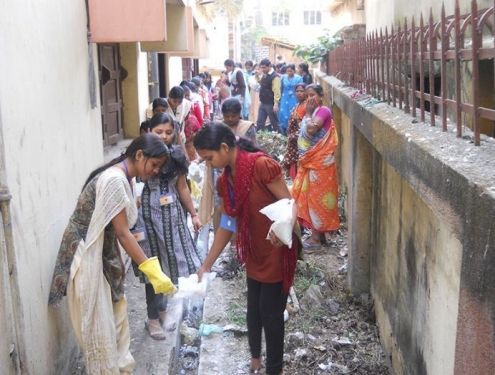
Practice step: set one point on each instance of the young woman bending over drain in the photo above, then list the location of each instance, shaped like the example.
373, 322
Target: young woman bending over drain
89, 269
162, 228
251, 180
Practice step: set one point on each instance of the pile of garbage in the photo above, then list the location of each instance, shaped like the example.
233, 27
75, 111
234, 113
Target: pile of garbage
272, 143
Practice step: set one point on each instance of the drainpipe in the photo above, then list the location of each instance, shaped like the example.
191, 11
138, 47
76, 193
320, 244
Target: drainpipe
153, 76
17, 349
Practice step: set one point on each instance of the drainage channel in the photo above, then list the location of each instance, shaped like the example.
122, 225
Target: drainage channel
187, 361
188, 354
192, 329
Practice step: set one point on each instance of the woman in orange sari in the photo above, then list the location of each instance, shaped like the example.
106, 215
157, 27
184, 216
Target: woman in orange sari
291, 156
316, 186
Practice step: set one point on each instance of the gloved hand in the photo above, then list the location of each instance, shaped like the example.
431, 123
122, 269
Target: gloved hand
161, 282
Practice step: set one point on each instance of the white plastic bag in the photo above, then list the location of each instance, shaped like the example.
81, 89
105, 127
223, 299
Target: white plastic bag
282, 215
190, 288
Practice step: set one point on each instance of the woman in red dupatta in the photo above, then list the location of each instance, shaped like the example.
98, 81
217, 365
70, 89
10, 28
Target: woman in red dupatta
316, 186
252, 180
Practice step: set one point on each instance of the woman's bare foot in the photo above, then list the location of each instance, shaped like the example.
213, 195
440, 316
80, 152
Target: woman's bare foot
255, 366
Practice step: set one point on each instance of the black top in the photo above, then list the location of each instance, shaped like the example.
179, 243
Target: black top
239, 85
307, 78
266, 91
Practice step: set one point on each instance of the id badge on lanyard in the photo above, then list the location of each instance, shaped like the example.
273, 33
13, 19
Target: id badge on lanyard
228, 222
166, 199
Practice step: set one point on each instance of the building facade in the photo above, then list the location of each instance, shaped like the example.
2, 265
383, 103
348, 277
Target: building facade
284, 20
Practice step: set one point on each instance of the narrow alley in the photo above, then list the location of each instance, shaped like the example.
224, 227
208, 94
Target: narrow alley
213, 187
329, 332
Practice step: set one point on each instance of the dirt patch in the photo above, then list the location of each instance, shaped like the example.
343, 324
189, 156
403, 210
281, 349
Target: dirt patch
333, 332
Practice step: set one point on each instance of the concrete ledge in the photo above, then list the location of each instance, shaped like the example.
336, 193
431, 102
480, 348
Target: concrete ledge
456, 180
220, 354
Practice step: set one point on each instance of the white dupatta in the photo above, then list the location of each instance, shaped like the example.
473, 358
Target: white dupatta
101, 326
180, 115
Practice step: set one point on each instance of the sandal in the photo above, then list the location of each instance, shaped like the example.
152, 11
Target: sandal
154, 329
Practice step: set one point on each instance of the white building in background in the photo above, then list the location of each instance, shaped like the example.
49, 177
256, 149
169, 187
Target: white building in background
294, 21
218, 32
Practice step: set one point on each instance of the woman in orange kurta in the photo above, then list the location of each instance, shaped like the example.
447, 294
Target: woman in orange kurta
252, 180
316, 188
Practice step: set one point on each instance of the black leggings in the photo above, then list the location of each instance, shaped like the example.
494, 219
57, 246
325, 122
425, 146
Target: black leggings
154, 302
265, 309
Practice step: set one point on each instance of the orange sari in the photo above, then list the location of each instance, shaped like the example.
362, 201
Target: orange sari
316, 187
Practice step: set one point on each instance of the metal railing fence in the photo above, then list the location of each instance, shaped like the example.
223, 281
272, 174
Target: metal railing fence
410, 66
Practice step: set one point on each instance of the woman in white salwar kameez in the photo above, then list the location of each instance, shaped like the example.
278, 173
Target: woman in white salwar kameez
89, 268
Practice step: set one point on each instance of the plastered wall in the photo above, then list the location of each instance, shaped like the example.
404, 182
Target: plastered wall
419, 204
52, 140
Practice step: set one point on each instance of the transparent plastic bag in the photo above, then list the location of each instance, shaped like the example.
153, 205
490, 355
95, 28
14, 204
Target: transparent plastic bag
283, 216
189, 287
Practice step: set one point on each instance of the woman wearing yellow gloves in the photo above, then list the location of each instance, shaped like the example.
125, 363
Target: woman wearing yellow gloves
89, 268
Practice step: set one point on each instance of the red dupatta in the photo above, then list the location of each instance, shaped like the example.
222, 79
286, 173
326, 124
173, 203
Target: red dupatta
236, 199
236, 204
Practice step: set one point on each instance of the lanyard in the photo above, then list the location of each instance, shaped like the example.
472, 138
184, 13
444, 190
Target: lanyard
230, 189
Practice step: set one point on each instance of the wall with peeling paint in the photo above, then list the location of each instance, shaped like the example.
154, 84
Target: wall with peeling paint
420, 205
415, 277
52, 140
385, 13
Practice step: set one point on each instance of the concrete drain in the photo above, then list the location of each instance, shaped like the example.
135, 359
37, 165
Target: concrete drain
188, 360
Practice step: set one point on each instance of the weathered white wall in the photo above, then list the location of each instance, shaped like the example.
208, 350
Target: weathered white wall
296, 32
52, 140
218, 43
143, 87
381, 13
415, 279
174, 71
346, 15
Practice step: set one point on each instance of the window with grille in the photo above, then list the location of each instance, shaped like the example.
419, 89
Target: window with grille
280, 18
312, 17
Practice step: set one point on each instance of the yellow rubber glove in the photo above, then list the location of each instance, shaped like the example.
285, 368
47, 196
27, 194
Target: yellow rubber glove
161, 282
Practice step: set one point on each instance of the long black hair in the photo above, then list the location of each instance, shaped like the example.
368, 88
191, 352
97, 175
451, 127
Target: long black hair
160, 118
304, 67
231, 105
212, 135
176, 92
159, 102
151, 145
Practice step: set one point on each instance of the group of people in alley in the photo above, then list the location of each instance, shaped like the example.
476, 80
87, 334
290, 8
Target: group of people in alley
141, 202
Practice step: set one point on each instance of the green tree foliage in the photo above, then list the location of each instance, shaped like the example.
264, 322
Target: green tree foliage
317, 52
250, 38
